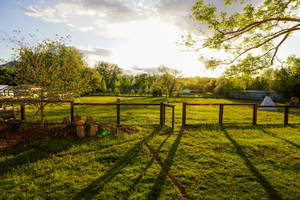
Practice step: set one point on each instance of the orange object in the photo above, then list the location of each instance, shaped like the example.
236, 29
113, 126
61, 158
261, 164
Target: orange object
80, 123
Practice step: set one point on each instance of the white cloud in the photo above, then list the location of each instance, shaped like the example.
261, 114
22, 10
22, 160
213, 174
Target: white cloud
96, 52
48, 14
149, 28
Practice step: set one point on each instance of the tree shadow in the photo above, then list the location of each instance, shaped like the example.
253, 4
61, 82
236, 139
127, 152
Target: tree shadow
97, 185
161, 178
35, 152
272, 193
275, 136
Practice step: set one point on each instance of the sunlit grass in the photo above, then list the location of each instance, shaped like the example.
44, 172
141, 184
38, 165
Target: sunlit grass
141, 115
210, 162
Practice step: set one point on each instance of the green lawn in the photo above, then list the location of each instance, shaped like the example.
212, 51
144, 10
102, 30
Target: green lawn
198, 161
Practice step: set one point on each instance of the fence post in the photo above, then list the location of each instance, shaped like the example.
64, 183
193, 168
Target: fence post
22, 112
118, 113
164, 114
161, 113
72, 111
221, 114
173, 116
286, 115
254, 114
183, 113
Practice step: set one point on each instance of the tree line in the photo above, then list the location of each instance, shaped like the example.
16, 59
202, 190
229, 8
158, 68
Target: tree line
66, 66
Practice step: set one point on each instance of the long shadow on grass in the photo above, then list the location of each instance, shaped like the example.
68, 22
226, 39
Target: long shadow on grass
97, 185
149, 164
161, 178
275, 136
260, 178
35, 152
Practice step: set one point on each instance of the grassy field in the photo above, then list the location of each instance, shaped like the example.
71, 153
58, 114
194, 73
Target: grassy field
198, 161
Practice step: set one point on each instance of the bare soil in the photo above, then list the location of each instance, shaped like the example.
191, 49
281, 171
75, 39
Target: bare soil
16, 133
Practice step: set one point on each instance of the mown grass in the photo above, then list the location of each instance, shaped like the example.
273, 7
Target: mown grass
207, 161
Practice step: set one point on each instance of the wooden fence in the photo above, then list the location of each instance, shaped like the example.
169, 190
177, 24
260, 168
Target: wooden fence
221, 110
162, 106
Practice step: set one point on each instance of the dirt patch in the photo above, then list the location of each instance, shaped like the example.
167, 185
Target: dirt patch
114, 128
15, 133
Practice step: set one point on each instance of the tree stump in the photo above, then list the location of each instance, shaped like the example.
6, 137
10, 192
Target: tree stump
80, 129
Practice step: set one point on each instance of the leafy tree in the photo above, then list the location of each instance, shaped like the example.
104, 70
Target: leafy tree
287, 79
110, 73
146, 90
132, 92
117, 91
7, 76
94, 79
156, 89
260, 30
167, 81
221, 86
54, 70
103, 87
196, 83
140, 80
141, 92
126, 81
211, 85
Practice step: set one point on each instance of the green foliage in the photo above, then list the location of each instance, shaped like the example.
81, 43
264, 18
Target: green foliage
287, 79
94, 79
110, 73
146, 90
52, 71
126, 81
141, 91
132, 92
167, 82
54, 68
260, 29
7, 76
116, 91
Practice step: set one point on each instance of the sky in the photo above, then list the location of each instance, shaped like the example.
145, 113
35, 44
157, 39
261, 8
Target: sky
138, 35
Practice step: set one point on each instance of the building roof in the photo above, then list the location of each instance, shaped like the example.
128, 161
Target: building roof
3, 87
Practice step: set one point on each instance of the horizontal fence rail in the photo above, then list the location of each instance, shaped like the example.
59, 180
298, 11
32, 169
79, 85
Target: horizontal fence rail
118, 109
163, 107
118, 105
221, 110
114, 104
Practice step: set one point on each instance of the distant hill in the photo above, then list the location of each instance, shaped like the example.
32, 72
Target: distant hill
9, 65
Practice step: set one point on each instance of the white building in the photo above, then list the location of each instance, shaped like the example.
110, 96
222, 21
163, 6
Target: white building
6, 90
186, 91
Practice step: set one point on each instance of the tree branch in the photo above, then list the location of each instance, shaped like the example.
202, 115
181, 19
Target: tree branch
252, 25
264, 42
277, 47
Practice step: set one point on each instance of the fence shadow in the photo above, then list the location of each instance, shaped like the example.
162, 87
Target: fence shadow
161, 178
97, 185
149, 164
272, 193
236, 126
276, 136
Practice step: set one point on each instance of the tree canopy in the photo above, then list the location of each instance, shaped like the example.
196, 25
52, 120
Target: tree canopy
253, 35
53, 71
110, 73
